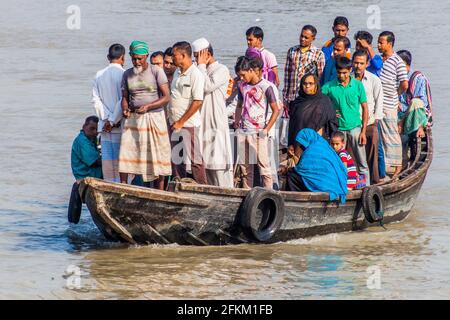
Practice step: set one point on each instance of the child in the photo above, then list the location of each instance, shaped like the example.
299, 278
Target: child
256, 113
290, 162
353, 180
255, 36
232, 93
272, 141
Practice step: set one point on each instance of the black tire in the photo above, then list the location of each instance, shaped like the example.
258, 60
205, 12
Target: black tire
373, 204
261, 214
75, 204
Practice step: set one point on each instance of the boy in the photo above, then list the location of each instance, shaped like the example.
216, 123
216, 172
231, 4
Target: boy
338, 144
349, 100
257, 101
255, 36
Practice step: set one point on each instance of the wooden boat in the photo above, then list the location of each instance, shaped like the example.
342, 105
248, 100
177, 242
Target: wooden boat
191, 214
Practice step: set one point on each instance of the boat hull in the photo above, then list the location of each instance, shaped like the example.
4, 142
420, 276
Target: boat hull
192, 214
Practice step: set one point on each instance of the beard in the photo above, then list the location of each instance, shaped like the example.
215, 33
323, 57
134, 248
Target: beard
138, 70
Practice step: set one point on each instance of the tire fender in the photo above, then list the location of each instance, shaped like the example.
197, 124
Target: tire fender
373, 204
262, 214
75, 205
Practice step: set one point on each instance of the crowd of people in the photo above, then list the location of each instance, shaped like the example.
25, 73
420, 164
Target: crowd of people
343, 120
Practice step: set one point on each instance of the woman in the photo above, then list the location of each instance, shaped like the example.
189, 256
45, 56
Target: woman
319, 169
312, 109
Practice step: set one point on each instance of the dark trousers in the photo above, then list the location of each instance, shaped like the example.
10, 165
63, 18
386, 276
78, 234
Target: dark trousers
372, 153
294, 182
187, 142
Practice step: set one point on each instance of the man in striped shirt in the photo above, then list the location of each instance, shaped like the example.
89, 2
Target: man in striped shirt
302, 59
394, 78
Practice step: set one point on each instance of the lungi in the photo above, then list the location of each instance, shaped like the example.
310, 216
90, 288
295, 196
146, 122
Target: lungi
392, 142
145, 146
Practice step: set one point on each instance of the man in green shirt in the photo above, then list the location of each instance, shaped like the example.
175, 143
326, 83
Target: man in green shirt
348, 97
85, 157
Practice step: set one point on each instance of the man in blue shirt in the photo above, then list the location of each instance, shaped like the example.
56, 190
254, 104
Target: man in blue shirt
341, 46
85, 157
340, 29
364, 42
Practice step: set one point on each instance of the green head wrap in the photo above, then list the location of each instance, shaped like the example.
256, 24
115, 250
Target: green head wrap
139, 47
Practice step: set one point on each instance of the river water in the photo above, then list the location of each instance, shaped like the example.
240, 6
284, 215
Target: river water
45, 89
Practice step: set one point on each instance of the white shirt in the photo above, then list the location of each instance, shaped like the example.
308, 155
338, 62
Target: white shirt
107, 95
185, 88
374, 92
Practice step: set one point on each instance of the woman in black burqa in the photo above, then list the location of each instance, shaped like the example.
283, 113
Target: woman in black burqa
311, 109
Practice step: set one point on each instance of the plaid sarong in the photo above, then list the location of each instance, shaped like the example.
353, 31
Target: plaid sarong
392, 142
145, 146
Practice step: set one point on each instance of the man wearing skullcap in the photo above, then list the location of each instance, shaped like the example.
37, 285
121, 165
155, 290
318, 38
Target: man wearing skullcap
215, 132
145, 145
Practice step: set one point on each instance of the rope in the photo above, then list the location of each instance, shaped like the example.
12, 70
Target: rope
381, 216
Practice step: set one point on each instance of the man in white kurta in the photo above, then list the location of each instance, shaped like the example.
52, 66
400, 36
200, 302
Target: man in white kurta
215, 133
106, 98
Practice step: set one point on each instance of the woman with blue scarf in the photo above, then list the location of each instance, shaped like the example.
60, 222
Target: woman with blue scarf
319, 169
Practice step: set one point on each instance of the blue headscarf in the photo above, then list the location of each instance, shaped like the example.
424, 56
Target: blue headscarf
320, 167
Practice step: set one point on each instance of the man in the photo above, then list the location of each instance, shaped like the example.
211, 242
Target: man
348, 97
186, 95
157, 58
85, 157
217, 153
340, 29
340, 47
394, 78
418, 88
364, 42
415, 112
145, 145
106, 98
255, 37
374, 93
301, 59
168, 65
85, 162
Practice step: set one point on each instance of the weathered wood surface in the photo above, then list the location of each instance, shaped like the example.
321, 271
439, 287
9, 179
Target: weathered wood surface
206, 215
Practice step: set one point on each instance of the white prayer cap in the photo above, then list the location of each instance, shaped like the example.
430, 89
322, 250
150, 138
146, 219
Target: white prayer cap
200, 44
